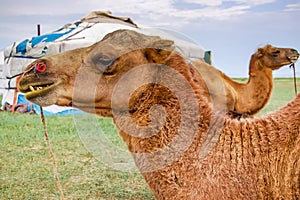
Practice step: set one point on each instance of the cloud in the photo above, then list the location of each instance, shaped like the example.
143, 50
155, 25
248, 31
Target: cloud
221, 2
161, 12
253, 2
205, 2
58, 7
211, 12
292, 7
155, 13
171, 13
210, 9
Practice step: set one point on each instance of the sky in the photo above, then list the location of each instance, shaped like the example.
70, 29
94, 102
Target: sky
231, 29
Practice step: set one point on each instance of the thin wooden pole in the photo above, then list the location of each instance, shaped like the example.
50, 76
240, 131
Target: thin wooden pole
38, 30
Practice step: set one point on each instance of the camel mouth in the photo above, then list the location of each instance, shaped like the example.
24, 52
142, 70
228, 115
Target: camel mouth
34, 90
293, 58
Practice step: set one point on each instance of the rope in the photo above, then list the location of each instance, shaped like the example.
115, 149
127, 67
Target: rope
15, 95
295, 78
55, 171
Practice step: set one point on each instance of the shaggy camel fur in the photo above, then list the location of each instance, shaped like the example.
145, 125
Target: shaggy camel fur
184, 148
249, 98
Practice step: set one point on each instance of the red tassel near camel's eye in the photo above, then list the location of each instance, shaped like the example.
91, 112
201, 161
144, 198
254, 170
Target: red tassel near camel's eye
40, 67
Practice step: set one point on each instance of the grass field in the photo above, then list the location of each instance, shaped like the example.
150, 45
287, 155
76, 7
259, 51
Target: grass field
26, 168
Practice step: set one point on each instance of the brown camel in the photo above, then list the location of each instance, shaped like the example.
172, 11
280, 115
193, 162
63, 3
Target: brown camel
184, 148
249, 98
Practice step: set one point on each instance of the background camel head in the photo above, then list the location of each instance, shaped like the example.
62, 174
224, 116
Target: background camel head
85, 77
274, 57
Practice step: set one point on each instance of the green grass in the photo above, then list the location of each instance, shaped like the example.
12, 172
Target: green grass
283, 92
26, 169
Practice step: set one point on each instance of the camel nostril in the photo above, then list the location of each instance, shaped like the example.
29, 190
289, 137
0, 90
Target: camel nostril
40, 67
295, 52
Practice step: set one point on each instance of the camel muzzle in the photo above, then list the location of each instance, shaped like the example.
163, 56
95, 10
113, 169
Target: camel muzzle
293, 58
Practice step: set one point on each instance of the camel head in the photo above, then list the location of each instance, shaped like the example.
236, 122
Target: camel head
85, 77
274, 57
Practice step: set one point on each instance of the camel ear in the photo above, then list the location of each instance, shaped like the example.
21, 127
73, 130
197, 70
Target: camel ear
260, 52
159, 50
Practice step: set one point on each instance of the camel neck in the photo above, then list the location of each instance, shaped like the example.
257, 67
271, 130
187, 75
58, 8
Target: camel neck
259, 86
260, 79
164, 109
257, 69
260, 75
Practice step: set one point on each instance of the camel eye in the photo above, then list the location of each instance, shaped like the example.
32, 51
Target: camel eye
275, 53
106, 61
103, 62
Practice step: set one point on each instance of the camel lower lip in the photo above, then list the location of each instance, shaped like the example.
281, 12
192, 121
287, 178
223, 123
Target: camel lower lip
293, 59
35, 91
